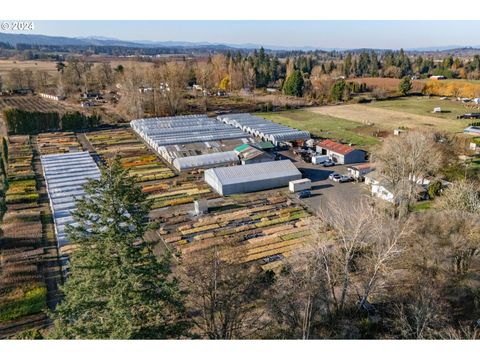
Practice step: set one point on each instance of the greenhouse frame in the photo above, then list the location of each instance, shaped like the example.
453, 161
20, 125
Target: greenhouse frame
206, 161
263, 128
65, 174
253, 177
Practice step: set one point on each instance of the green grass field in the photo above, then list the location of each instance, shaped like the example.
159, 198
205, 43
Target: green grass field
424, 106
323, 126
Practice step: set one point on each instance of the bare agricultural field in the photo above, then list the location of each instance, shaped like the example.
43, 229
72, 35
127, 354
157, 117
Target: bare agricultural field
388, 119
35, 103
7, 65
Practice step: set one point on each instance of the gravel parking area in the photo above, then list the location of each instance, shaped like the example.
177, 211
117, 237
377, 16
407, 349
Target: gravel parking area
326, 192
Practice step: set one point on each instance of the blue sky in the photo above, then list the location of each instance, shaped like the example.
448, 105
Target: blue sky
320, 34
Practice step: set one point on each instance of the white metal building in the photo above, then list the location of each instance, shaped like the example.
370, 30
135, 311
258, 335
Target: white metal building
263, 128
253, 177
65, 175
206, 161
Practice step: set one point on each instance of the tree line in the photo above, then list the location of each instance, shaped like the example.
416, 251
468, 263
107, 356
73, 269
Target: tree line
32, 122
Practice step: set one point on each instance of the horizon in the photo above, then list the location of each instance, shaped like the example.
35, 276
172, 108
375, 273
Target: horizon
330, 34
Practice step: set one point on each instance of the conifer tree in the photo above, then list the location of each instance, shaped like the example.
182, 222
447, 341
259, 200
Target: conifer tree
116, 287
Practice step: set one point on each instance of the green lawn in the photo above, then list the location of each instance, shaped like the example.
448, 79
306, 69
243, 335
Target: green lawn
423, 205
323, 126
420, 105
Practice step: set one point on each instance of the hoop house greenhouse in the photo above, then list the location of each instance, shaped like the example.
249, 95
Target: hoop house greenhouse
206, 161
65, 175
158, 132
263, 128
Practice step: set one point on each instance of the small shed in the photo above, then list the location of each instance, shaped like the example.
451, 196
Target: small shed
251, 155
299, 185
358, 172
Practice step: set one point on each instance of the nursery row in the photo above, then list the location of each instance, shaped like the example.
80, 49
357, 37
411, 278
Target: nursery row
57, 142
156, 179
22, 289
247, 229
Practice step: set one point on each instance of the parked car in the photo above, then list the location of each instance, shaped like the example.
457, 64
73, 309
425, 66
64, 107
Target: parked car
345, 178
304, 194
271, 258
334, 176
328, 163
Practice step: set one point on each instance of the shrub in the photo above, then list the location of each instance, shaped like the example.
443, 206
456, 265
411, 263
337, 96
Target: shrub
29, 302
434, 188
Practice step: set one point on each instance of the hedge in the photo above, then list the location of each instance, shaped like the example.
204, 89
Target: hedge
33, 122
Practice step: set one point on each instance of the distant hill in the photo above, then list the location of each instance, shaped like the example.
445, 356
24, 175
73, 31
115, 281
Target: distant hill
45, 40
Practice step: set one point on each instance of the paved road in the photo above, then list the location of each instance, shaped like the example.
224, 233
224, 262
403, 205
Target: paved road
326, 192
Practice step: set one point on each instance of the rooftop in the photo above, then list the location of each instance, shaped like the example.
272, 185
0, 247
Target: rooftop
336, 147
254, 172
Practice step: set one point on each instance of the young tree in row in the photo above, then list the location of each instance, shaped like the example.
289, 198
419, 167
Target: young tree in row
116, 288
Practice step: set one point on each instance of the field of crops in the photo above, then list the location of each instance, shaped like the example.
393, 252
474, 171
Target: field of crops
57, 142
157, 179
258, 228
22, 289
35, 103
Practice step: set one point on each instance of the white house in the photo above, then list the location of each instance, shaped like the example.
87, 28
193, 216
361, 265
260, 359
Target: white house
378, 187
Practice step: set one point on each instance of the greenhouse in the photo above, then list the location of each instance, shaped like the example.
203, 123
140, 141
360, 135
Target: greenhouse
206, 161
65, 175
253, 177
160, 132
263, 128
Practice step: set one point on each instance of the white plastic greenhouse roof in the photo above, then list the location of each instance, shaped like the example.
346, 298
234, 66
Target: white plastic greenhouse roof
264, 128
164, 131
205, 160
254, 172
65, 175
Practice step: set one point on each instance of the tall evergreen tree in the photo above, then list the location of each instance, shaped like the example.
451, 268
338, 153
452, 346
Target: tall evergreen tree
294, 84
405, 85
116, 287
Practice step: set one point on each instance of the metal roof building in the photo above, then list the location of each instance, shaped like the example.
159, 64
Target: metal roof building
65, 175
340, 153
253, 177
263, 128
206, 161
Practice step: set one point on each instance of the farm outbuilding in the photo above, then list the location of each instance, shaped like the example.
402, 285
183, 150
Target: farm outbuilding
340, 153
65, 174
254, 177
264, 129
358, 172
251, 155
206, 161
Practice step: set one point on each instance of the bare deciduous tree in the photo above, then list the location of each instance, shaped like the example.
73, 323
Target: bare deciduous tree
461, 196
222, 296
404, 160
